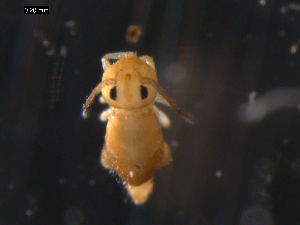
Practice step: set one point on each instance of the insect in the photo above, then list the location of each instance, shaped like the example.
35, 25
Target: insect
134, 145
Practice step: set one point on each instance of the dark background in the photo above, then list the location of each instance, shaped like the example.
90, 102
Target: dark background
210, 55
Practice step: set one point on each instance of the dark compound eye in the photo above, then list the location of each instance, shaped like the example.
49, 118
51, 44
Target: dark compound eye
144, 92
113, 93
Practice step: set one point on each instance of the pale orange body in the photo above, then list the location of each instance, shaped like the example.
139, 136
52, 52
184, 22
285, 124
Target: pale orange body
134, 145
135, 150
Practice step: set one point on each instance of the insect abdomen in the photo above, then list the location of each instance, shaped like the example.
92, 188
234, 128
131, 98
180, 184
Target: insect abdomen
134, 144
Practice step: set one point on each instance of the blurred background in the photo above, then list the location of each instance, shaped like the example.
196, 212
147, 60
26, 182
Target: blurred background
233, 64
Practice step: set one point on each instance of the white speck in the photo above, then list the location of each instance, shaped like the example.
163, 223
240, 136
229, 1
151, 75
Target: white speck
28, 212
50, 52
63, 50
91, 182
84, 114
131, 174
285, 141
262, 2
252, 96
218, 173
282, 33
209, 35
61, 181
11, 187
268, 178
283, 10
70, 23
46, 43
174, 143
295, 166
293, 49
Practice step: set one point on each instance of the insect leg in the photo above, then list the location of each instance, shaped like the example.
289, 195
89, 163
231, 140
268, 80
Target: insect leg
113, 56
163, 119
102, 100
105, 115
148, 60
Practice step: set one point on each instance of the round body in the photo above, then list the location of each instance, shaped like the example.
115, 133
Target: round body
134, 144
